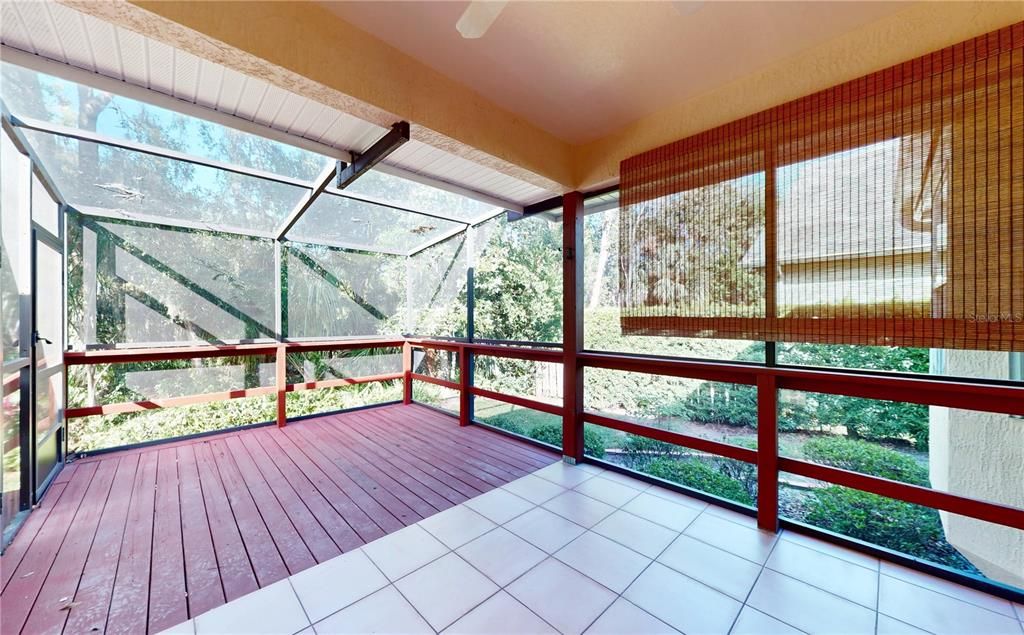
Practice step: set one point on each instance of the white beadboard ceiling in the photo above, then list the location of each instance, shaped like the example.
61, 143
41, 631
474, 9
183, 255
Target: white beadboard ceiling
59, 33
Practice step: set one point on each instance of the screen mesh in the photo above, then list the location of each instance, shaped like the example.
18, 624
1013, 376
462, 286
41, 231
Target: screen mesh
135, 283
888, 210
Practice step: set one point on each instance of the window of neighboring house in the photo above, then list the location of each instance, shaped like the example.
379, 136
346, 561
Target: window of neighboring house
1017, 366
1017, 371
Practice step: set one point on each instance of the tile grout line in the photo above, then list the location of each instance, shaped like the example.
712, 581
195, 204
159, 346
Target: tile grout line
952, 597
617, 508
391, 583
585, 531
619, 596
745, 603
817, 549
309, 622
878, 595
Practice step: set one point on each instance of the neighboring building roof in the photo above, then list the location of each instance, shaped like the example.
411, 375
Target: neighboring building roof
815, 225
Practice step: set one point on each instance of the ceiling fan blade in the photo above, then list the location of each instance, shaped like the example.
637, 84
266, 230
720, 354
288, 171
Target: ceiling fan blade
478, 17
684, 8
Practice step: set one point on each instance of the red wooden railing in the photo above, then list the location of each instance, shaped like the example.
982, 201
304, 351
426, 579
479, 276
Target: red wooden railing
768, 380
280, 352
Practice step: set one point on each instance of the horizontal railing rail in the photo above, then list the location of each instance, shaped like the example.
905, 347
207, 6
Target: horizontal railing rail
278, 350
932, 392
170, 353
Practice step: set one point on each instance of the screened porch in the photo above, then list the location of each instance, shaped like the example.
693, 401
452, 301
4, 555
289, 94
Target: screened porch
273, 364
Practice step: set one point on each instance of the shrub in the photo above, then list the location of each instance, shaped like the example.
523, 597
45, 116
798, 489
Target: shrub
638, 452
729, 404
546, 429
506, 423
593, 443
869, 419
550, 433
700, 476
903, 527
866, 458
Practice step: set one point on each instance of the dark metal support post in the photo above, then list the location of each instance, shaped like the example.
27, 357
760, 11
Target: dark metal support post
572, 326
384, 146
27, 306
280, 291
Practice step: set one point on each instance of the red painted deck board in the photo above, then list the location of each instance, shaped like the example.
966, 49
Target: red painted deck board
168, 603
19, 597
129, 604
236, 574
136, 541
289, 543
202, 579
16, 551
49, 614
97, 582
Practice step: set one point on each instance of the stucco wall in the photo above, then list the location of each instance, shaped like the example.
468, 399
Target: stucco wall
980, 455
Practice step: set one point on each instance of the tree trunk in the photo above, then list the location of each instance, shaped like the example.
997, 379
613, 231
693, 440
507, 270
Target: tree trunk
607, 223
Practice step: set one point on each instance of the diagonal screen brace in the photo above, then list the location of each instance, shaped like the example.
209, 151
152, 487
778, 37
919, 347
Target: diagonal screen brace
361, 163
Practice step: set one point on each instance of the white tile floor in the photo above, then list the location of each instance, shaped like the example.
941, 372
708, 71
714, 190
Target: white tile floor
575, 549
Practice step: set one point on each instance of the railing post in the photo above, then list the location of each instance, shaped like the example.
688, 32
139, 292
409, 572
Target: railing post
572, 326
407, 372
282, 382
767, 453
464, 383
470, 323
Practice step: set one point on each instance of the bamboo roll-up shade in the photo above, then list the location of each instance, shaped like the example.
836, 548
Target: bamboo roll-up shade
888, 210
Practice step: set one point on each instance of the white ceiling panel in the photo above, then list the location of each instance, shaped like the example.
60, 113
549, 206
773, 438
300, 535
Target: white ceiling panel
13, 29
211, 79
57, 32
134, 57
232, 86
104, 45
186, 76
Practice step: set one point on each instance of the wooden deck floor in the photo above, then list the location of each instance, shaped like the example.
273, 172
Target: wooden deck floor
141, 540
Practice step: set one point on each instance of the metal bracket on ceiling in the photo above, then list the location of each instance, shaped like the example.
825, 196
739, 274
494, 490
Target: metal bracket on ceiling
361, 163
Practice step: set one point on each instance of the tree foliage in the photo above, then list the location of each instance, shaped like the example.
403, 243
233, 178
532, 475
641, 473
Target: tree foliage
866, 458
903, 527
686, 251
700, 475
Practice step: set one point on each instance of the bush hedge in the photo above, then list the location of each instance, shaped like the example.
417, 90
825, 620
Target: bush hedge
903, 527
539, 426
700, 476
866, 458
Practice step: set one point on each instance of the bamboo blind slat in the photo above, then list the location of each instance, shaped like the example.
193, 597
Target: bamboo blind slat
888, 210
